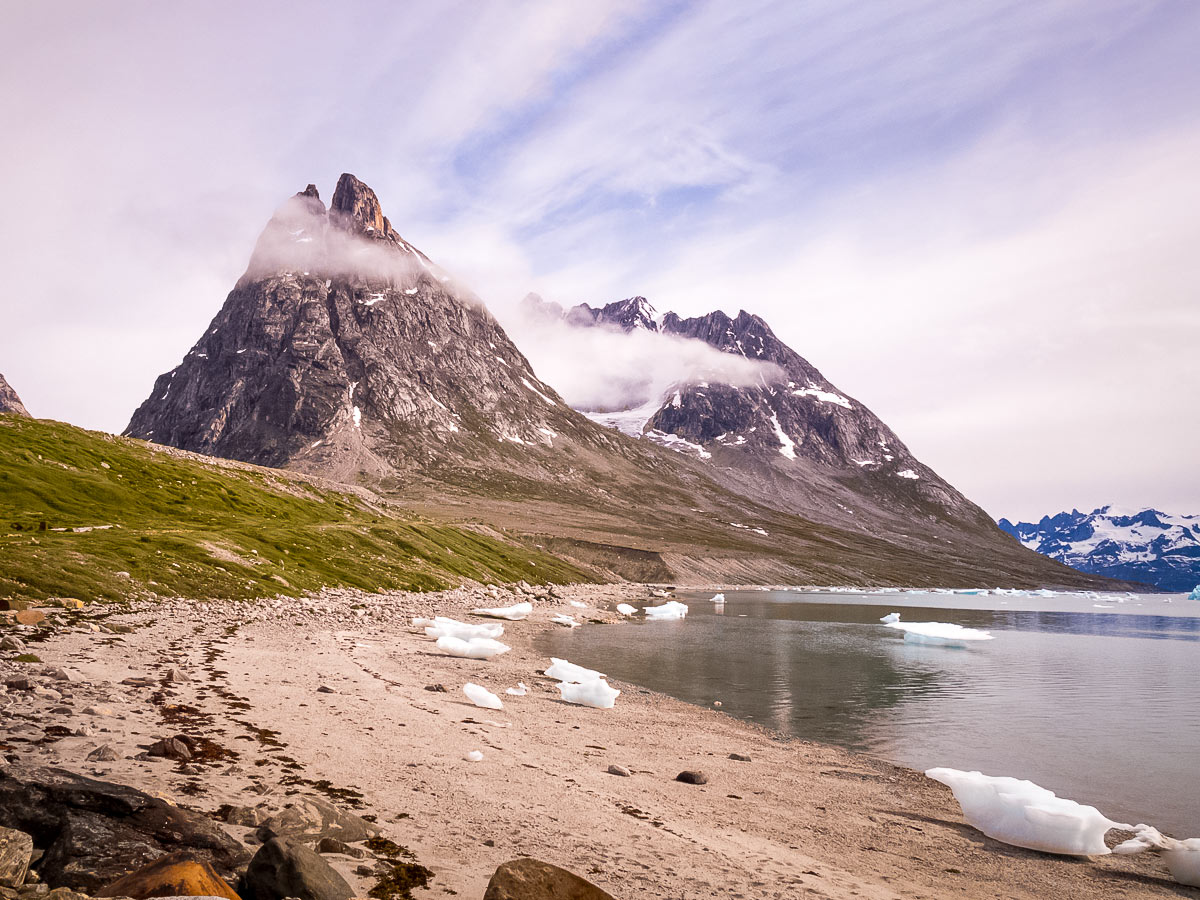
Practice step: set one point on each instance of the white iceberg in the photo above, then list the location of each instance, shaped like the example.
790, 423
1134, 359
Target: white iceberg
625, 609
519, 691
481, 696
568, 671
1182, 857
672, 609
1022, 814
1195, 595
513, 613
941, 634
474, 756
578, 604
476, 648
443, 627
595, 693
569, 621
717, 598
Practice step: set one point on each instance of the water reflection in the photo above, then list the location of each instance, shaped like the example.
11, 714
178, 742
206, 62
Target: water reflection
1100, 706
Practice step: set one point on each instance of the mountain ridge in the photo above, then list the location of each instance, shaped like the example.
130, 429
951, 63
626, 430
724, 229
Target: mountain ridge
9, 401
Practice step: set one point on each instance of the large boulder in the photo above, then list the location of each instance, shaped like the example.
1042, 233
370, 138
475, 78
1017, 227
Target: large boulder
92, 832
532, 879
174, 875
16, 849
284, 867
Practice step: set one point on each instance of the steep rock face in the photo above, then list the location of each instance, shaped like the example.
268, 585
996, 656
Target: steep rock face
345, 350
1147, 545
9, 401
624, 315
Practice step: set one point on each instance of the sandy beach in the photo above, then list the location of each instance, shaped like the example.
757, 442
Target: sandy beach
334, 692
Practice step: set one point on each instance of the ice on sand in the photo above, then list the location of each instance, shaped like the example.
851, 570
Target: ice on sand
625, 609
672, 609
1182, 857
443, 626
476, 648
942, 634
519, 691
1022, 814
474, 756
595, 693
578, 604
568, 671
513, 613
569, 621
584, 687
481, 696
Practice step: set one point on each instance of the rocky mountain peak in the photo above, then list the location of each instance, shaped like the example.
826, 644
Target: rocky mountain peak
9, 401
356, 203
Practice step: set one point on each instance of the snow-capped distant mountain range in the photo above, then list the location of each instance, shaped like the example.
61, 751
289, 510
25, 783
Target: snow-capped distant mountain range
1147, 545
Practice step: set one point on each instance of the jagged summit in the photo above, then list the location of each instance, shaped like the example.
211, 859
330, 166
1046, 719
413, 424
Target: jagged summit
624, 315
9, 401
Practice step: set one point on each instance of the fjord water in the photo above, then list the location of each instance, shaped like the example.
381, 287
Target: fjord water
1095, 698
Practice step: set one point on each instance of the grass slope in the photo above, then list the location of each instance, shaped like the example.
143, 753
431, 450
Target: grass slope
175, 524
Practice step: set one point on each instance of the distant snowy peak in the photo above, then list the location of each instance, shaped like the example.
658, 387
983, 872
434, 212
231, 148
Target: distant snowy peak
9, 401
1144, 545
623, 315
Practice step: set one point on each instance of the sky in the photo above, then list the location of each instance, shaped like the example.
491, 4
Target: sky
981, 220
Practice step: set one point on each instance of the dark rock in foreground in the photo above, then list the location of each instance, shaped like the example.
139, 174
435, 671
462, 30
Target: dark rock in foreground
532, 879
92, 832
284, 867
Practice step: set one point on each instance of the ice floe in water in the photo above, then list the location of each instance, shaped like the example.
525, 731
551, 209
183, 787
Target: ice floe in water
513, 613
481, 696
941, 634
1195, 595
441, 626
569, 621
717, 598
672, 609
625, 609
1182, 857
1022, 814
476, 648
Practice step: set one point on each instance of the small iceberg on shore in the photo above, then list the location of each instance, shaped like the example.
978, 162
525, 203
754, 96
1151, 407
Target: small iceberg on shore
481, 696
625, 609
476, 648
1195, 595
569, 621
1025, 815
442, 626
1182, 857
940, 634
672, 609
513, 613
581, 686
568, 671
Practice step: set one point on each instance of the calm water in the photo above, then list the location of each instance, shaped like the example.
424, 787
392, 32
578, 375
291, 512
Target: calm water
1092, 698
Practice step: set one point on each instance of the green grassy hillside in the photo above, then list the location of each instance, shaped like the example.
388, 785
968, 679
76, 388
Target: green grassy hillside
98, 517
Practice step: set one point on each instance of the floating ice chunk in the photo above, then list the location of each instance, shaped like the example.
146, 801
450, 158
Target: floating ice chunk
625, 609
1025, 815
513, 613
474, 756
519, 691
1195, 595
578, 604
595, 693
1182, 857
481, 696
568, 671
476, 648
717, 598
569, 621
443, 627
672, 609
942, 634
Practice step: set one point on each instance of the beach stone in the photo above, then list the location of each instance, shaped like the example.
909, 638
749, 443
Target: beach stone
246, 816
103, 753
312, 818
690, 777
56, 673
436, 688
284, 867
92, 831
614, 769
323, 689
174, 676
333, 845
10, 642
171, 748
739, 757
30, 617
532, 879
16, 850
173, 875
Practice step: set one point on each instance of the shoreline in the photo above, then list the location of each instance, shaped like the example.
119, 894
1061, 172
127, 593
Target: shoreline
342, 678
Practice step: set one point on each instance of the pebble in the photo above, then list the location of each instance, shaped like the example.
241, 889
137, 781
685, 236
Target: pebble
739, 757
614, 769
692, 777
